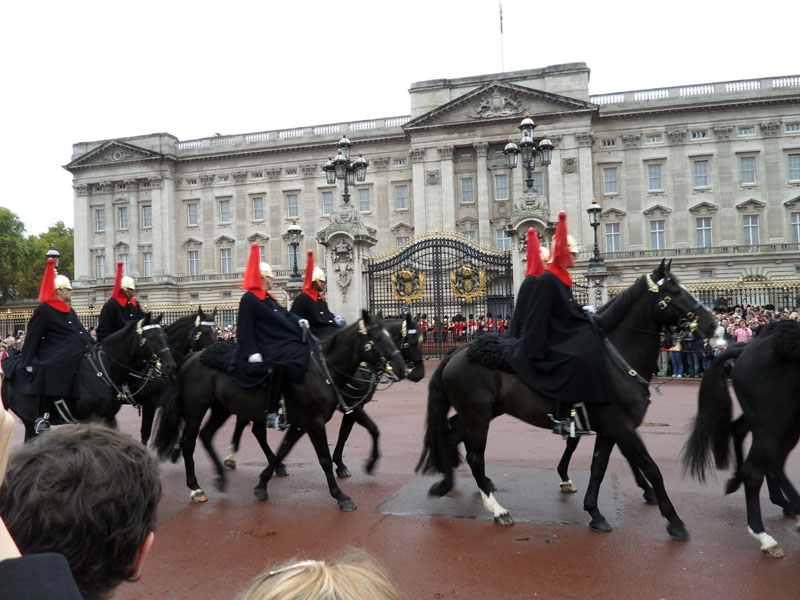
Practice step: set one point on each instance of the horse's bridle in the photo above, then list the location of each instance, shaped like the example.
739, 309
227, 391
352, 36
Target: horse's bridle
195, 337
665, 303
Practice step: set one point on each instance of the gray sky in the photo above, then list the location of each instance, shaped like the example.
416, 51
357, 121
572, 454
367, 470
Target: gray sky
93, 70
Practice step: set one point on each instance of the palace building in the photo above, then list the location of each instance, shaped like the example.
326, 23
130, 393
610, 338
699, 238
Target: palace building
707, 175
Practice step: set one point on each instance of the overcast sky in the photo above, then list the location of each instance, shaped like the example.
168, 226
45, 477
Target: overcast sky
95, 70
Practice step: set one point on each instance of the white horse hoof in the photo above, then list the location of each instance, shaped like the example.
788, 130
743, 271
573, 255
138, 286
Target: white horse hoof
774, 552
198, 496
230, 461
567, 487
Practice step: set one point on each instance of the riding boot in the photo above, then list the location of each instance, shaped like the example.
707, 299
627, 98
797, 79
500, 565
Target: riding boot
561, 420
42, 422
274, 402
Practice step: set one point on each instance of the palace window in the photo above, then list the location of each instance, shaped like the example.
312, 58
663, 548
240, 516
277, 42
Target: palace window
658, 235
794, 167
791, 127
191, 214
470, 235
100, 264
224, 211
751, 237
122, 213
795, 227
147, 264
194, 262
292, 208
610, 181
613, 238
402, 239
467, 191
225, 260
147, 216
501, 187
747, 169
699, 134
401, 197
258, 208
502, 240
327, 203
538, 183
701, 173
654, 178
100, 219
123, 258
224, 179
364, 204
654, 139
747, 130
400, 162
703, 232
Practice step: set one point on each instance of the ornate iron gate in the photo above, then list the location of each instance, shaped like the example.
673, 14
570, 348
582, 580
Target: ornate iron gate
447, 278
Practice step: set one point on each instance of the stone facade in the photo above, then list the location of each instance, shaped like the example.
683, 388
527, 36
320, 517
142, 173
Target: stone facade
708, 175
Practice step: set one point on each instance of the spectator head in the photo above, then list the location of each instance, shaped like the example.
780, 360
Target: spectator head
356, 578
88, 492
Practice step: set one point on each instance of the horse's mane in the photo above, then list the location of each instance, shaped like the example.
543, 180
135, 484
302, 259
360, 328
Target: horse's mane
615, 310
181, 322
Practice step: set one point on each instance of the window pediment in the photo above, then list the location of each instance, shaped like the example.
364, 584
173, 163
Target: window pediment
613, 213
751, 204
657, 210
258, 238
703, 208
191, 243
224, 240
401, 228
793, 203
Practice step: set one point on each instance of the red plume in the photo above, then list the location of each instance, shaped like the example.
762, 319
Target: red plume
535, 264
560, 257
252, 281
308, 288
116, 293
47, 293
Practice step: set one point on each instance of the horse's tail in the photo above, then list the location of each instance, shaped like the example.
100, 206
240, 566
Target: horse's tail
440, 446
170, 422
711, 432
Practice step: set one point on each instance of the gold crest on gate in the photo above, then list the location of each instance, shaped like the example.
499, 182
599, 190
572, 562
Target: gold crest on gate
468, 283
408, 285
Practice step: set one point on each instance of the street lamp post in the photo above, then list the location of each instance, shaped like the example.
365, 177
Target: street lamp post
54, 254
529, 149
343, 168
294, 232
594, 210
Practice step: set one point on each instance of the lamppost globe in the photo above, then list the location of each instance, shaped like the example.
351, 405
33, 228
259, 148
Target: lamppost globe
294, 233
594, 211
54, 254
343, 168
529, 149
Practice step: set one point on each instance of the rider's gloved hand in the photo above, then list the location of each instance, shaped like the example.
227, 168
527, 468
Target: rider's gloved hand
303, 323
29, 369
339, 320
255, 358
589, 309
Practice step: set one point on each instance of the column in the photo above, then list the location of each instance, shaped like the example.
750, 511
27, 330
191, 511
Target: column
448, 189
418, 175
484, 201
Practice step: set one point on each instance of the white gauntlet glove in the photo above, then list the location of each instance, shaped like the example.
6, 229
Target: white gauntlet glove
303, 324
590, 309
339, 321
255, 358
29, 369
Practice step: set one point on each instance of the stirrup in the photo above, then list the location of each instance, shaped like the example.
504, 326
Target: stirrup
41, 424
272, 420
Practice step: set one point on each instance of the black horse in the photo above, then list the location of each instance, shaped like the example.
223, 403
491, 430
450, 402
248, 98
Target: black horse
405, 335
310, 403
138, 349
186, 334
479, 393
766, 379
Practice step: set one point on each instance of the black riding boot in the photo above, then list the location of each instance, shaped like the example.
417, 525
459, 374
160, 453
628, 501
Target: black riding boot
42, 422
276, 411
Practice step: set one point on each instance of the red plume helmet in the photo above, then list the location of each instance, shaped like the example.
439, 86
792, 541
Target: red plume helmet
116, 293
308, 288
561, 257
535, 264
47, 293
253, 282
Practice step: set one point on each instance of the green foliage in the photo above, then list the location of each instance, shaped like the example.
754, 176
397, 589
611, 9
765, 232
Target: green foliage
22, 260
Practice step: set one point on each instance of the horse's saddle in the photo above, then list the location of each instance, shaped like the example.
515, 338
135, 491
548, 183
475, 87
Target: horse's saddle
490, 350
219, 356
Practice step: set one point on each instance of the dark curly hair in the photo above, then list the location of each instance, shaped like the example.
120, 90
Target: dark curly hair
88, 492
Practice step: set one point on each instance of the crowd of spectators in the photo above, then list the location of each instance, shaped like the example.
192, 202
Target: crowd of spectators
685, 353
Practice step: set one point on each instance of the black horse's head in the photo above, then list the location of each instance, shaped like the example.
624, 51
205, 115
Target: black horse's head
152, 344
676, 302
406, 336
204, 331
377, 348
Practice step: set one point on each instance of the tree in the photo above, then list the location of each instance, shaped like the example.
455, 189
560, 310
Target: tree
14, 255
61, 238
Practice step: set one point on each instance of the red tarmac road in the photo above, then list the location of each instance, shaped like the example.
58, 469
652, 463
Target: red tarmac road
212, 550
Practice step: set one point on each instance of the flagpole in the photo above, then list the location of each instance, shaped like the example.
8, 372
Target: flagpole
502, 49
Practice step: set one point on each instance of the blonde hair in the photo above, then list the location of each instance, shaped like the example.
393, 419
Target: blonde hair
354, 577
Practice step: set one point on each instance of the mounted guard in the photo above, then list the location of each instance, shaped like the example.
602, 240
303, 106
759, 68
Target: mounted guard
120, 308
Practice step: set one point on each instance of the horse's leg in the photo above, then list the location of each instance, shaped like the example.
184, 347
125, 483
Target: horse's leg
649, 494
348, 420
602, 451
187, 445
259, 430
241, 423
316, 432
634, 450
762, 454
475, 443
148, 414
566, 484
219, 415
293, 434
455, 435
739, 430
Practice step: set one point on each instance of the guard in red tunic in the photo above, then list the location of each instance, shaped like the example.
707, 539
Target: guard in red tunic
311, 306
120, 308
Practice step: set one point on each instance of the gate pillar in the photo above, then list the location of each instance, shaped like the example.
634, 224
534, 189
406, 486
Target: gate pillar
348, 242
